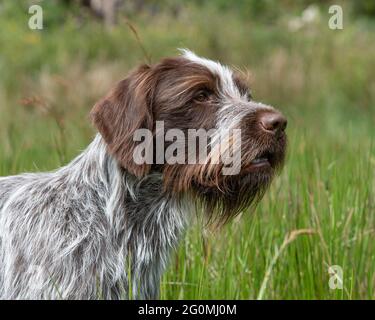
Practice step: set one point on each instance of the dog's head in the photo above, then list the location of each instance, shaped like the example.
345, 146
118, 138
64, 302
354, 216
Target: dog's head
181, 101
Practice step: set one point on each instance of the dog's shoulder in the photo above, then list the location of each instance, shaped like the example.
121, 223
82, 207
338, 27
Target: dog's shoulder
10, 184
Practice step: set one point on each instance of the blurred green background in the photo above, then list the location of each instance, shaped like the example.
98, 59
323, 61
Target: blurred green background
318, 213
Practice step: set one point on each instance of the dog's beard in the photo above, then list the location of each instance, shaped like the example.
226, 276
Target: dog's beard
234, 195
222, 197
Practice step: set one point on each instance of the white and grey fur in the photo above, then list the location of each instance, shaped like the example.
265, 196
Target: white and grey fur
85, 231
90, 229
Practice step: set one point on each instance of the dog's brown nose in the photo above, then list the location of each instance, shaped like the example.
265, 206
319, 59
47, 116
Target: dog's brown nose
273, 122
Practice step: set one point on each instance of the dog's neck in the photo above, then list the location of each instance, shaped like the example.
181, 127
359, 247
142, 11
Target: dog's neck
146, 225
96, 167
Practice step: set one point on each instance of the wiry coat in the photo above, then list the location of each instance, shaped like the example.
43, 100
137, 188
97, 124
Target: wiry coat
104, 225
80, 233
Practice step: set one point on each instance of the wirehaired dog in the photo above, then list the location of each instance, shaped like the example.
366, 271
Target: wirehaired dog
104, 225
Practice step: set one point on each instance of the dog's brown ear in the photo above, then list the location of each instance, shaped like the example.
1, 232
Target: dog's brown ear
125, 109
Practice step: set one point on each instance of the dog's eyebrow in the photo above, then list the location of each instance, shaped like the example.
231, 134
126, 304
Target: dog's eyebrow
241, 84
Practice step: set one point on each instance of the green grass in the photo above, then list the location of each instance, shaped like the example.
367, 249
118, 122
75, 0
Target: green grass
323, 80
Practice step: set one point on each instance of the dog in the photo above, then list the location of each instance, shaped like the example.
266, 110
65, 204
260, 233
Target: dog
105, 225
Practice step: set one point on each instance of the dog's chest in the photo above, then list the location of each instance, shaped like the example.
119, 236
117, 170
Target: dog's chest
154, 224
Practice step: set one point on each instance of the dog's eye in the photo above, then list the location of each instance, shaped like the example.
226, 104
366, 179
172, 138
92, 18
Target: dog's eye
202, 95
